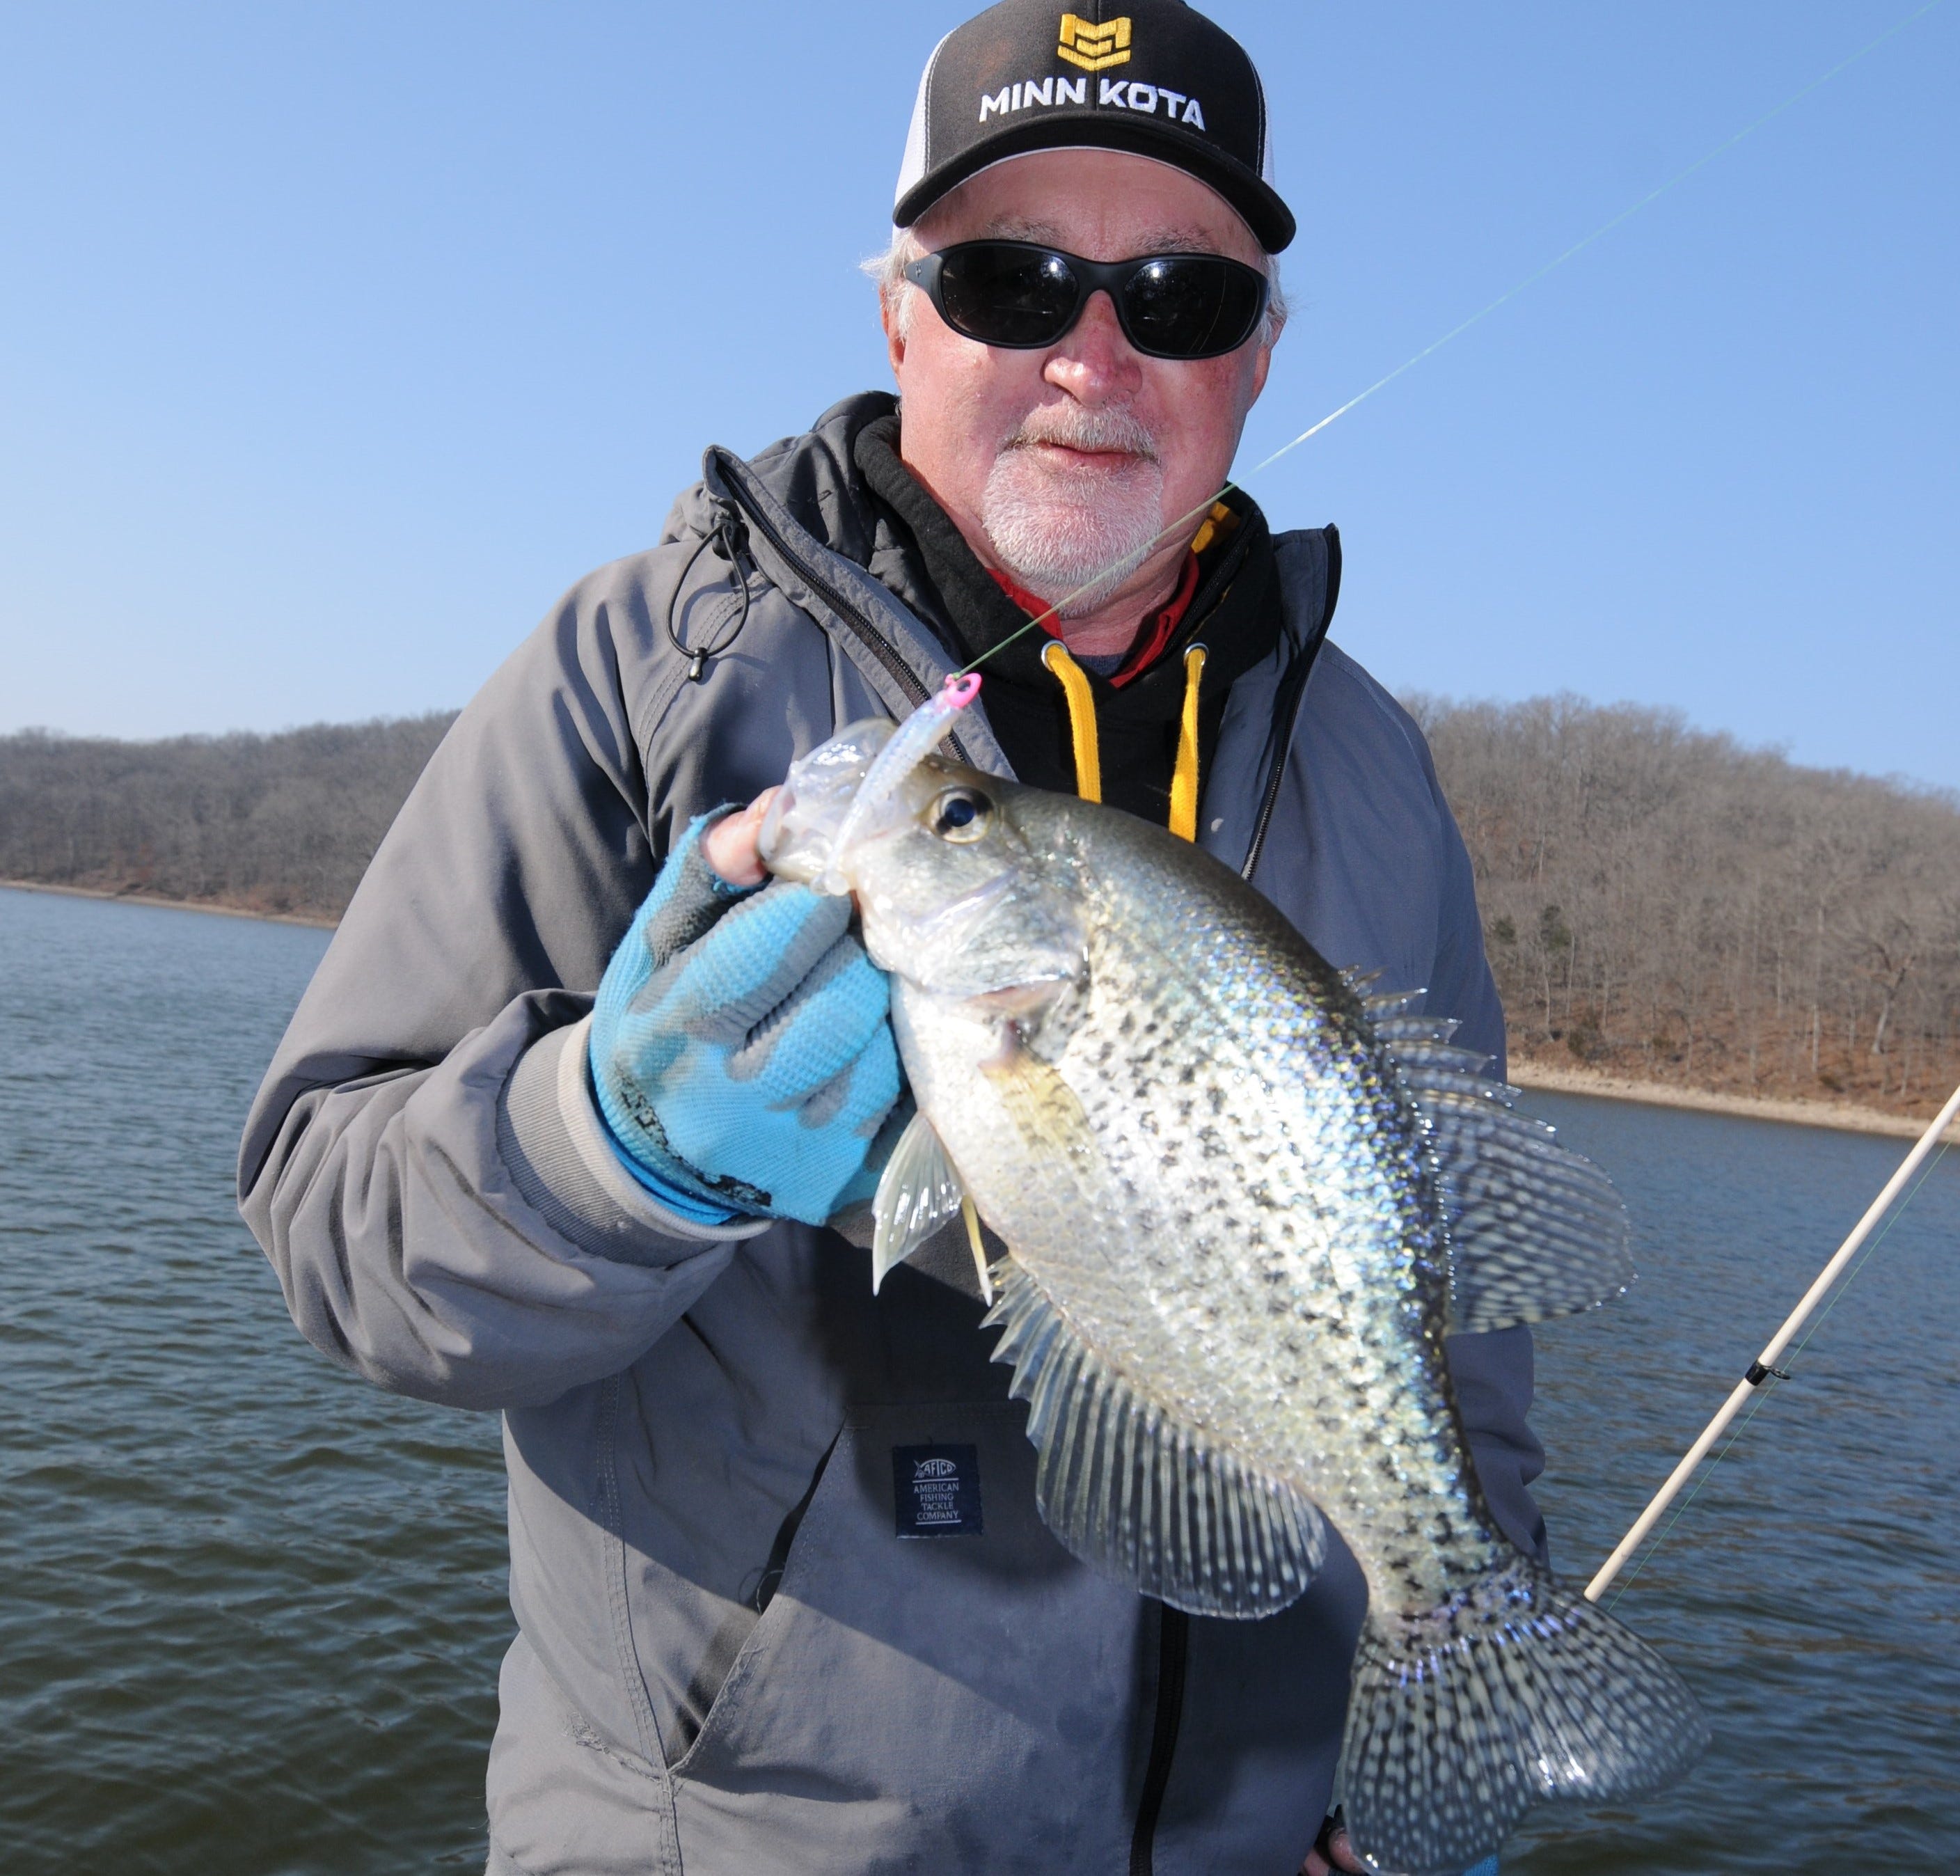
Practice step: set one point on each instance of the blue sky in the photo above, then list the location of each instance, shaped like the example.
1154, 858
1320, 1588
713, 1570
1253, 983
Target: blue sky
338, 340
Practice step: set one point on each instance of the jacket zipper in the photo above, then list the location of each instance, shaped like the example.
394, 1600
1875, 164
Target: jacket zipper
1173, 1648
1290, 711
881, 647
1174, 1625
1174, 1629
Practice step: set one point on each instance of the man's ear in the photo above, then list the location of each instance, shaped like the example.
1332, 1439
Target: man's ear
894, 339
1262, 363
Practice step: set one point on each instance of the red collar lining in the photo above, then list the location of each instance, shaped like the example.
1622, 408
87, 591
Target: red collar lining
1153, 634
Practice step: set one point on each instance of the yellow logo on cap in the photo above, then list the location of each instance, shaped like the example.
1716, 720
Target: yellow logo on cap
1092, 47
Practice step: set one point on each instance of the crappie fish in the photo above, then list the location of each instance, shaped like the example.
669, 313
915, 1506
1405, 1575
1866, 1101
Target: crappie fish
1244, 1203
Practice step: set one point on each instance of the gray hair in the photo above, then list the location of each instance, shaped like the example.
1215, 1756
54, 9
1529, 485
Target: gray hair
899, 296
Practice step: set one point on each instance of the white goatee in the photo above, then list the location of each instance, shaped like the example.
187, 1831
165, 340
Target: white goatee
1074, 533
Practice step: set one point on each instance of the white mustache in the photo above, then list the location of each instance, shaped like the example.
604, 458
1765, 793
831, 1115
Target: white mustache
1113, 431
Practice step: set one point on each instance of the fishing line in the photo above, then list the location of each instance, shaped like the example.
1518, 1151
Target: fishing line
1763, 1394
1456, 332
1681, 1511
1945, 1147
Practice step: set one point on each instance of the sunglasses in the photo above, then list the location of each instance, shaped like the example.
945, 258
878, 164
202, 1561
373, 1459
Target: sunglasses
1021, 296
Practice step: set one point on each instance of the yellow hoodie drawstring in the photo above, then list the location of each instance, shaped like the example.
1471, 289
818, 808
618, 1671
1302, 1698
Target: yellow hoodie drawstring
1081, 719
1184, 777
1088, 753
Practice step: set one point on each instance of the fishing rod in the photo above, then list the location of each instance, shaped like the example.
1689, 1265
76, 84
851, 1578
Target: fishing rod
1764, 1367
1059, 608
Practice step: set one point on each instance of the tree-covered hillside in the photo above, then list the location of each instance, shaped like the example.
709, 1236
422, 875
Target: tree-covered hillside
1664, 903
270, 823
1656, 900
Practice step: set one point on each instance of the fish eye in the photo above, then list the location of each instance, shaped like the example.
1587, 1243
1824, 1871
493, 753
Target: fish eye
959, 814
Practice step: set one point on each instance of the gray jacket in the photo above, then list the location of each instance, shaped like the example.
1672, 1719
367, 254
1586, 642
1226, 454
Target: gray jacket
727, 1661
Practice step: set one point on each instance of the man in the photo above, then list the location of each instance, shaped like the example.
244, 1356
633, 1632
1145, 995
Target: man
558, 1125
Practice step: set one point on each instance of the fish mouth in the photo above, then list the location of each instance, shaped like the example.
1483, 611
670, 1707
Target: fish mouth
976, 950
800, 831
954, 922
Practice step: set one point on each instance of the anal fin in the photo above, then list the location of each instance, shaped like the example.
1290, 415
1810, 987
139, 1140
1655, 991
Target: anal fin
1137, 1496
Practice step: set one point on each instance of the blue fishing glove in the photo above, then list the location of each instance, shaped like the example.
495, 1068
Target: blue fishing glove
742, 1049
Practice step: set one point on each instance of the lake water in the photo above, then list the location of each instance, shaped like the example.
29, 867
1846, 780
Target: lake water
251, 1608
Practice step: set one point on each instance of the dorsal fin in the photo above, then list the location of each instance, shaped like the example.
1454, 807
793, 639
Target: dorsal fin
1379, 1009
1535, 1230
1137, 1496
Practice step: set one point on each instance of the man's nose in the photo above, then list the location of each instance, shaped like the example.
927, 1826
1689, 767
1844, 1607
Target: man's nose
1093, 362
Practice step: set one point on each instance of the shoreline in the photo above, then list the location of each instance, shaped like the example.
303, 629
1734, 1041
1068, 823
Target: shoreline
171, 905
1840, 1116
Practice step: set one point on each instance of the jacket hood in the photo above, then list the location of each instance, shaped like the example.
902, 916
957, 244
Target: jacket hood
815, 476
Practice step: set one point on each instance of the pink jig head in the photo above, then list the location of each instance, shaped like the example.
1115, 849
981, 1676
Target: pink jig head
915, 738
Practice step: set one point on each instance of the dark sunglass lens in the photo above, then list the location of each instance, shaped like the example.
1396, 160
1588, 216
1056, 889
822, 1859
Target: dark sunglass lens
1002, 294
1191, 306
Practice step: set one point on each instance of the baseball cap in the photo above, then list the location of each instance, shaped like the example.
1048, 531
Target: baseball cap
1157, 79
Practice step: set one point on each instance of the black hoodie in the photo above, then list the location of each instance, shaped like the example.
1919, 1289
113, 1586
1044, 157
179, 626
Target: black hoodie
1235, 613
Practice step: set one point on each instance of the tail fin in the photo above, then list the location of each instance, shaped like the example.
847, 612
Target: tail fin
1462, 1719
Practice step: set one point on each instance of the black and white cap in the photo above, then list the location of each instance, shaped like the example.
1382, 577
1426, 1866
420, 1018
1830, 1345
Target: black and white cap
1157, 78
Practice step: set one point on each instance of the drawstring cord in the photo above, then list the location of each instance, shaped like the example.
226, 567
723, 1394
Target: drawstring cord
1184, 777
1081, 719
1222, 521
729, 537
1088, 752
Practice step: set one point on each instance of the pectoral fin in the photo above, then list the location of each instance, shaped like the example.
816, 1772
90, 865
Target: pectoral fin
1045, 1111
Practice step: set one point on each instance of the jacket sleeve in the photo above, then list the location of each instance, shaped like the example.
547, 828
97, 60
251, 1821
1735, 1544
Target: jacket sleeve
1493, 1372
423, 1163
1461, 985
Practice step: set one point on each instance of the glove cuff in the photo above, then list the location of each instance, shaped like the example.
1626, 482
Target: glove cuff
688, 900
567, 1167
677, 1191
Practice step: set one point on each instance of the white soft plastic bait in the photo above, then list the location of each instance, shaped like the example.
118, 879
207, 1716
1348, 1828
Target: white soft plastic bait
915, 739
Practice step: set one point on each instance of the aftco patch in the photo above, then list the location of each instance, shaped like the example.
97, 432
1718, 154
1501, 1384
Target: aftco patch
938, 1491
